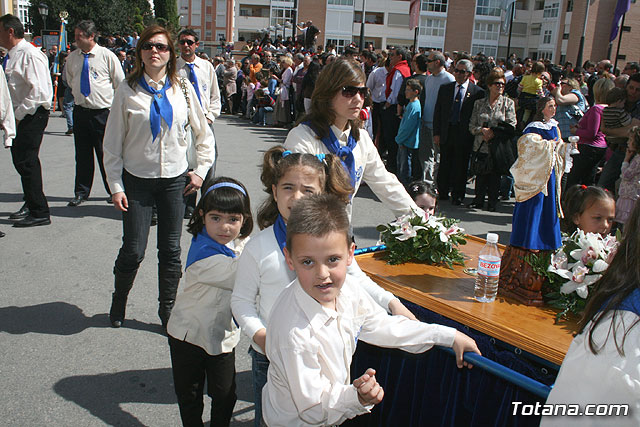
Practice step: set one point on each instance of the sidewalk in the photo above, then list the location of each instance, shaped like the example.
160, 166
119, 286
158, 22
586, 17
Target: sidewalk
62, 362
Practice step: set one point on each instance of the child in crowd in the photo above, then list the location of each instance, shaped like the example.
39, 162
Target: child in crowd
425, 196
603, 363
317, 321
264, 105
202, 333
408, 137
531, 90
262, 271
591, 209
630, 178
615, 116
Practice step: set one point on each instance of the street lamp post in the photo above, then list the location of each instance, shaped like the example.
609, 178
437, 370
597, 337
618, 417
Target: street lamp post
44, 12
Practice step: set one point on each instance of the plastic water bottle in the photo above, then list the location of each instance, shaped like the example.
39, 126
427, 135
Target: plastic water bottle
488, 270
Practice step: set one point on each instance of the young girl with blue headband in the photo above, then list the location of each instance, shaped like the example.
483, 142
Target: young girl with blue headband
202, 332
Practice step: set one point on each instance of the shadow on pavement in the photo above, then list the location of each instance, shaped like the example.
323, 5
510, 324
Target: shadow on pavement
104, 395
59, 318
87, 210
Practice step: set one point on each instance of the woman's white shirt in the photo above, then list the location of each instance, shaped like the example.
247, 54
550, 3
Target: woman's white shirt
368, 166
128, 143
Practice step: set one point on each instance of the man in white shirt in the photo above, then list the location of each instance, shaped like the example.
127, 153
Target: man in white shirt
203, 77
377, 85
93, 72
29, 81
7, 119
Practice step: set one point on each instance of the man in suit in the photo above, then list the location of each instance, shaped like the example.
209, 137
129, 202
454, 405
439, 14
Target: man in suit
451, 116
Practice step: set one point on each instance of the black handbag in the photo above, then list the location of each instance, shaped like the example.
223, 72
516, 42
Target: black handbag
481, 163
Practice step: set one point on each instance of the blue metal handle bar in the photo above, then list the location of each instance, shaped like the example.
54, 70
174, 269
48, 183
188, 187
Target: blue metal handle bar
504, 373
369, 249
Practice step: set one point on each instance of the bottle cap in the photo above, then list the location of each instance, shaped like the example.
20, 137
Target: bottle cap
492, 238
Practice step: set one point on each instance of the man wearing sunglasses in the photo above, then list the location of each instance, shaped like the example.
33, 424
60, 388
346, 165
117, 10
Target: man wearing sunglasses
451, 116
93, 73
203, 77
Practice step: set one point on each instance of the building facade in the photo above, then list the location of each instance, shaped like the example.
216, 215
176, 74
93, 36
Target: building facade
213, 20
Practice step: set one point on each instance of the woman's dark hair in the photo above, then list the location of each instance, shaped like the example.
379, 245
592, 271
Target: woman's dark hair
578, 199
618, 281
417, 188
138, 69
333, 77
226, 200
332, 175
540, 105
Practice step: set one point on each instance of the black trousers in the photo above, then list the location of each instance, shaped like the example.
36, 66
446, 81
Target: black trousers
191, 364
454, 163
585, 164
487, 184
390, 126
376, 122
24, 153
88, 132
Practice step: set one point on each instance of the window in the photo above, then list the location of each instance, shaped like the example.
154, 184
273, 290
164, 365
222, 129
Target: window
220, 36
207, 35
535, 29
551, 10
398, 20
488, 8
520, 5
432, 27
539, 5
339, 44
23, 14
434, 5
546, 38
545, 54
570, 6
369, 17
519, 29
565, 36
486, 49
341, 2
279, 15
486, 31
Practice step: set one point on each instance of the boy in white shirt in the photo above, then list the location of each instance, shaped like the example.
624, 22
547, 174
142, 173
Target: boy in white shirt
317, 320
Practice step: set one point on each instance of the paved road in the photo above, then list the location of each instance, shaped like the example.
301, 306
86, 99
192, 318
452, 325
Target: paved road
62, 364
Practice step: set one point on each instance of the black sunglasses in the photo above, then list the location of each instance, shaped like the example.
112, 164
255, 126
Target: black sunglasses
160, 47
460, 71
350, 91
186, 41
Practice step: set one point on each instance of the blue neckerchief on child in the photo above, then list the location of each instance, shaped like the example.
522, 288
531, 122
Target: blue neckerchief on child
203, 246
631, 303
280, 230
160, 106
345, 154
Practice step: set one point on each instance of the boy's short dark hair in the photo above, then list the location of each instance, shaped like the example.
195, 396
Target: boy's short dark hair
318, 215
614, 95
414, 84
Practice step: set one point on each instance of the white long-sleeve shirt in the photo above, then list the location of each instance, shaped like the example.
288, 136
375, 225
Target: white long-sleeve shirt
105, 75
603, 378
310, 349
202, 314
208, 83
128, 142
377, 83
7, 119
368, 165
263, 274
396, 83
28, 79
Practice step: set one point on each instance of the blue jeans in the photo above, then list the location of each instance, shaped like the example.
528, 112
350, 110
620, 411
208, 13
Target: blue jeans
405, 158
259, 368
142, 194
261, 115
67, 106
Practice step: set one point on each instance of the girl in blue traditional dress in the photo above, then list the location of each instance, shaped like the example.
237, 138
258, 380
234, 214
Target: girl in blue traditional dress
202, 333
537, 174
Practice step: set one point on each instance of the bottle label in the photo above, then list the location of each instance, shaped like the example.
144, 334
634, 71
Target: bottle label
489, 266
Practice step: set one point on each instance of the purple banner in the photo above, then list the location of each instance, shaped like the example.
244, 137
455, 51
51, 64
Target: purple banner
621, 8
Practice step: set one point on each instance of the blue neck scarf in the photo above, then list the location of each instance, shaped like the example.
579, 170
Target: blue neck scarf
85, 83
160, 106
280, 230
631, 302
194, 81
344, 153
203, 246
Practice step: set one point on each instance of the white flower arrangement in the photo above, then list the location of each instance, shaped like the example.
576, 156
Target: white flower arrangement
433, 240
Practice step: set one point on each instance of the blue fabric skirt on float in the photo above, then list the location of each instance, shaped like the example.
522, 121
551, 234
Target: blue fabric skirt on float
535, 222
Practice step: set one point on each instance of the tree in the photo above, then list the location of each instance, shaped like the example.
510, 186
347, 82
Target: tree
167, 14
110, 16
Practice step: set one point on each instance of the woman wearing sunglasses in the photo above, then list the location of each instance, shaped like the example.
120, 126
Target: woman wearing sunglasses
333, 125
145, 155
